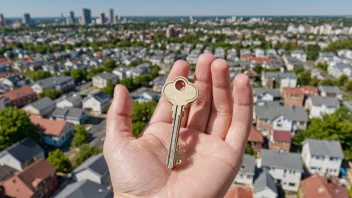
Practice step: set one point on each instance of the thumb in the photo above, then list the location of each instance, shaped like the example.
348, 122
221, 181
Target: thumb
119, 125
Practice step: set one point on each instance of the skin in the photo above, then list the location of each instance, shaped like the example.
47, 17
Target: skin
212, 138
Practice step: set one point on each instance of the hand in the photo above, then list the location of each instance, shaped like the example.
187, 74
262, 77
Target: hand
213, 136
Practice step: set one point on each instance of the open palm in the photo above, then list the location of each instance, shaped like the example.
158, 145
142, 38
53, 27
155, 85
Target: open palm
212, 138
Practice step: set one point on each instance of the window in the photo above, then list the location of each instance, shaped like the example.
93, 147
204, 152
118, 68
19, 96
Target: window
334, 159
291, 184
249, 177
313, 168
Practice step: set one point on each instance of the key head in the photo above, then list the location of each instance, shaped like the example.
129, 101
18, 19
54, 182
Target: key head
180, 91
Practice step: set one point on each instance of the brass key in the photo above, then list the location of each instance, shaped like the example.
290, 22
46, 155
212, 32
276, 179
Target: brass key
179, 92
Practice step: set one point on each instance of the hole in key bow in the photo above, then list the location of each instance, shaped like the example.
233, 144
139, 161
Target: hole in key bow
180, 84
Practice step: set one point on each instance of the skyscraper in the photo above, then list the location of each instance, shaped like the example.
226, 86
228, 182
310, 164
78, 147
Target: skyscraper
111, 16
170, 31
191, 20
26, 19
102, 18
86, 16
72, 18
2, 20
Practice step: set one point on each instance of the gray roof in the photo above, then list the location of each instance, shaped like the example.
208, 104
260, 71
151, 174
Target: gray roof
72, 97
53, 81
248, 164
106, 76
265, 180
23, 150
342, 66
280, 75
298, 52
327, 101
329, 89
85, 189
260, 91
294, 61
324, 148
96, 163
282, 160
100, 96
42, 104
75, 113
6, 172
272, 112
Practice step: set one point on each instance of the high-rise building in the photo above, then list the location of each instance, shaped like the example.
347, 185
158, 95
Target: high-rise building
102, 18
170, 31
191, 20
86, 17
2, 20
71, 19
111, 16
26, 19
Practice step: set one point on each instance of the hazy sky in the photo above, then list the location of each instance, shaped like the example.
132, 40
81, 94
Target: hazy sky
42, 8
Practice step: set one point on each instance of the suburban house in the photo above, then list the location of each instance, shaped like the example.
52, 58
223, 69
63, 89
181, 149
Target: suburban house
265, 94
71, 115
239, 192
4, 102
101, 80
94, 169
322, 156
300, 55
120, 72
309, 90
270, 118
293, 96
20, 155
53, 132
330, 91
15, 80
292, 63
63, 84
258, 52
264, 186
255, 139
43, 107
69, 100
284, 167
319, 106
21, 96
36, 180
97, 102
85, 189
246, 173
319, 186
339, 69
280, 141
279, 79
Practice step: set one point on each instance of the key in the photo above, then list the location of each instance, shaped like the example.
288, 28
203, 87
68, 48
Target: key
180, 93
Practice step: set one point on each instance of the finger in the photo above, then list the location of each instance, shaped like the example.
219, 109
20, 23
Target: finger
163, 111
221, 111
119, 125
242, 114
199, 110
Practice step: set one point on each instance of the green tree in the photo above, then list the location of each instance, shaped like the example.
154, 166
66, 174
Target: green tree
37, 75
349, 86
109, 89
258, 69
298, 70
51, 93
15, 126
313, 52
327, 82
141, 114
249, 150
59, 160
323, 66
80, 136
138, 127
85, 151
304, 78
342, 80
128, 83
337, 126
79, 75
94, 71
109, 65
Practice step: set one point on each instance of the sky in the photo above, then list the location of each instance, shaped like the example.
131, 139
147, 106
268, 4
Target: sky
53, 8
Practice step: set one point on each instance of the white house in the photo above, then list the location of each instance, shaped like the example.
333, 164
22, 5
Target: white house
339, 69
258, 52
284, 167
264, 94
279, 79
264, 186
97, 102
246, 173
120, 72
101, 80
300, 55
330, 91
322, 156
60, 83
69, 100
318, 106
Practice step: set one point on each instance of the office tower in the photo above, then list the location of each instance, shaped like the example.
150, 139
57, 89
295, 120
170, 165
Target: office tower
111, 16
102, 18
170, 31
191, 20
26, 19
2, 20
86, 16
234, 18
71, 19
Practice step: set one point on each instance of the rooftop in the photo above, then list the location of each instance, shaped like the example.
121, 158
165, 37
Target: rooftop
274, 159
49, 127
324, 148
282, 136
23, 150
85, 189
19, 93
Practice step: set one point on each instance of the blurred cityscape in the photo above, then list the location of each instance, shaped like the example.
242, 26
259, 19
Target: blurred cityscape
57, 78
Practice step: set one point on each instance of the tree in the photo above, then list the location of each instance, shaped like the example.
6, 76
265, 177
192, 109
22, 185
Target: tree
141, 114
337, 126
109, 89
85, 151
313, 52
15, 126
80, 136
109, 65
304, 78
323, 66
37, 75
51, 93
249, 150
79, 75
59, 160
327, 82
342, 80
128, 83
258, 69
349, 86
138, 127
94, 71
